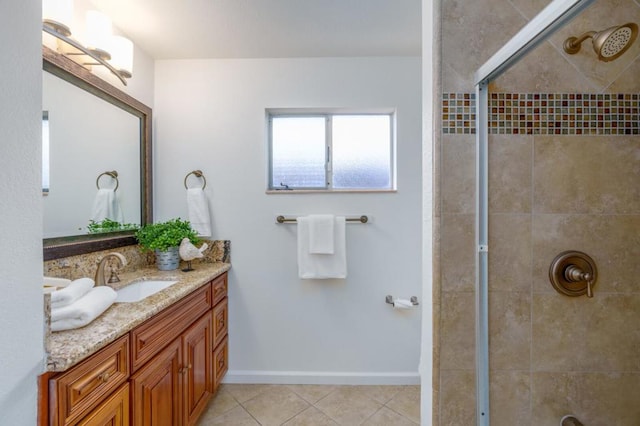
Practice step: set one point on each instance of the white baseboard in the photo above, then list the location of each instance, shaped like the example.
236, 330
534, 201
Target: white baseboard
321, 378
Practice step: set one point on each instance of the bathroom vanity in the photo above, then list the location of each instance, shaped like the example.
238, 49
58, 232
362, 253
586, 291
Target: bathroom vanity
153, 362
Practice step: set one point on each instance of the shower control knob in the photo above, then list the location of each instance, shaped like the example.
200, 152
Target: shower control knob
573, 273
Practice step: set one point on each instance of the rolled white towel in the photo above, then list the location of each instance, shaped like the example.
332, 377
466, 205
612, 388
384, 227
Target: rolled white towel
74, 291
83, 310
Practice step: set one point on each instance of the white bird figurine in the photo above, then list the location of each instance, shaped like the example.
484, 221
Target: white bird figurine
189, 252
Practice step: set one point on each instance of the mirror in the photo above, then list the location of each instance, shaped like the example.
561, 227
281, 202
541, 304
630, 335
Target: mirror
126, 149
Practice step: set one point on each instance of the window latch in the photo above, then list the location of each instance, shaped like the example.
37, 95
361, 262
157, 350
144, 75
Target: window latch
284, 186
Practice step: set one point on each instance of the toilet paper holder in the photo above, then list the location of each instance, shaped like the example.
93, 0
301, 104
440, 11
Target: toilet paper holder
413, 300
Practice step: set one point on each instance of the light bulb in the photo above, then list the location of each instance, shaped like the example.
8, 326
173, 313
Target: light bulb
99, 33
122, 55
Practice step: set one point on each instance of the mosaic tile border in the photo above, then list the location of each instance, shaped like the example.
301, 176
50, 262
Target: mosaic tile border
545, 113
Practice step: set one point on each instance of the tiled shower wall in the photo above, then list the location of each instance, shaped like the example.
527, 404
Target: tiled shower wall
557, 182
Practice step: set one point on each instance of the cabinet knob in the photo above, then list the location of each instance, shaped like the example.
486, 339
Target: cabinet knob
104, 377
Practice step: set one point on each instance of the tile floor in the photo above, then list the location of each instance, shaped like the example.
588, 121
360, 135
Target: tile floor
313, 405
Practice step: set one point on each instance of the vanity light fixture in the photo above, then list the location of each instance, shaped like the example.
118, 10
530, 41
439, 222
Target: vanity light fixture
101, 47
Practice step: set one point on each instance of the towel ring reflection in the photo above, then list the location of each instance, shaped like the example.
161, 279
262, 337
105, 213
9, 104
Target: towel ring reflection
197, 173
113, 174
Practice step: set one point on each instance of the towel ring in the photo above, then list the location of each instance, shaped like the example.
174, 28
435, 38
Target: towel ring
197, 173
113, 174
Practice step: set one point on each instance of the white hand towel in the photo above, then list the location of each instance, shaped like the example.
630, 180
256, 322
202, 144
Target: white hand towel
84, 310
198, 208
106, 206
321, 233
322, 266
74, 291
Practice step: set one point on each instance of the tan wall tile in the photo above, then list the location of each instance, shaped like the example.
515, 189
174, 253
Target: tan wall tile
595, 174
509, 330
613, 241
458, 402
457, 260
544, 70
457, 325
458, 178
510, 399
510, 170
510, 252
582, 334
472, 31
595, 398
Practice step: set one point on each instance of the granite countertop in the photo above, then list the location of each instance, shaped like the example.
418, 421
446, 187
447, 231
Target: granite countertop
67, 348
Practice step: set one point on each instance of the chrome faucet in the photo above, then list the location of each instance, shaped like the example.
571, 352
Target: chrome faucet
100, 272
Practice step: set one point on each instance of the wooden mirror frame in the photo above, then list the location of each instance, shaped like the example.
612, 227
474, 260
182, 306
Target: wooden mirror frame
68, 70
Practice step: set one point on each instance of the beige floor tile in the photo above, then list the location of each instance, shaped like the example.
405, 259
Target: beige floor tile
312, 393
381, 394
407, 403
245, 392
275, 406
236, 417
311, 417
387, 417
348, 405
220, 404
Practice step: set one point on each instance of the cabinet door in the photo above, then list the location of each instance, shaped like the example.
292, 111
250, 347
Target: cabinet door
156, 389
114, 411
198, 370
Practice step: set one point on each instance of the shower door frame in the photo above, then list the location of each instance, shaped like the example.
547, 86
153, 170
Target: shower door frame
552, 17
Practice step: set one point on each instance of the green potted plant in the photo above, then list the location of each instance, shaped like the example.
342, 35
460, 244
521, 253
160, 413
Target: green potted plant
164, 239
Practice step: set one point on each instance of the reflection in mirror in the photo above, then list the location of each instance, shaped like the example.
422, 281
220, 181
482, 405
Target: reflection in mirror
100, 129
88, 136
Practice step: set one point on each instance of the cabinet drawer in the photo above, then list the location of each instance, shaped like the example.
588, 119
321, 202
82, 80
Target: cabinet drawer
220, 318
219, 287
114, 411
220, 362
152, 336
79, 390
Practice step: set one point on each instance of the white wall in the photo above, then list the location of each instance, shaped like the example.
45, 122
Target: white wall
21, 333
210, 115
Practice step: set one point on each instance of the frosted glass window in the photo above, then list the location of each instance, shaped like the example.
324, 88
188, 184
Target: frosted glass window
298, 152
339, 151
361, 151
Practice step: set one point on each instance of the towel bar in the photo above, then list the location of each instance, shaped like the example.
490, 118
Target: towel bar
361, 219
197, 173
113, 174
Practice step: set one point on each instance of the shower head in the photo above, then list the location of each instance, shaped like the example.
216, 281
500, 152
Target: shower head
608, 44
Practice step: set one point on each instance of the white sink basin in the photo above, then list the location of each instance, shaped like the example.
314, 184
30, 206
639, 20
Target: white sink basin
141, 289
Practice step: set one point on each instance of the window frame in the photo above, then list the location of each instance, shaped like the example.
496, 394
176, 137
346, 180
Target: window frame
328, 114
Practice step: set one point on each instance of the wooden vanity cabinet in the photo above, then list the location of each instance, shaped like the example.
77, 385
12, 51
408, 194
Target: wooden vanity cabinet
163, 372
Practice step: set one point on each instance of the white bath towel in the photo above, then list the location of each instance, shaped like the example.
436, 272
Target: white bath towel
321, 233
106, 206
198, 208
74, 291
322, 266
84, 310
